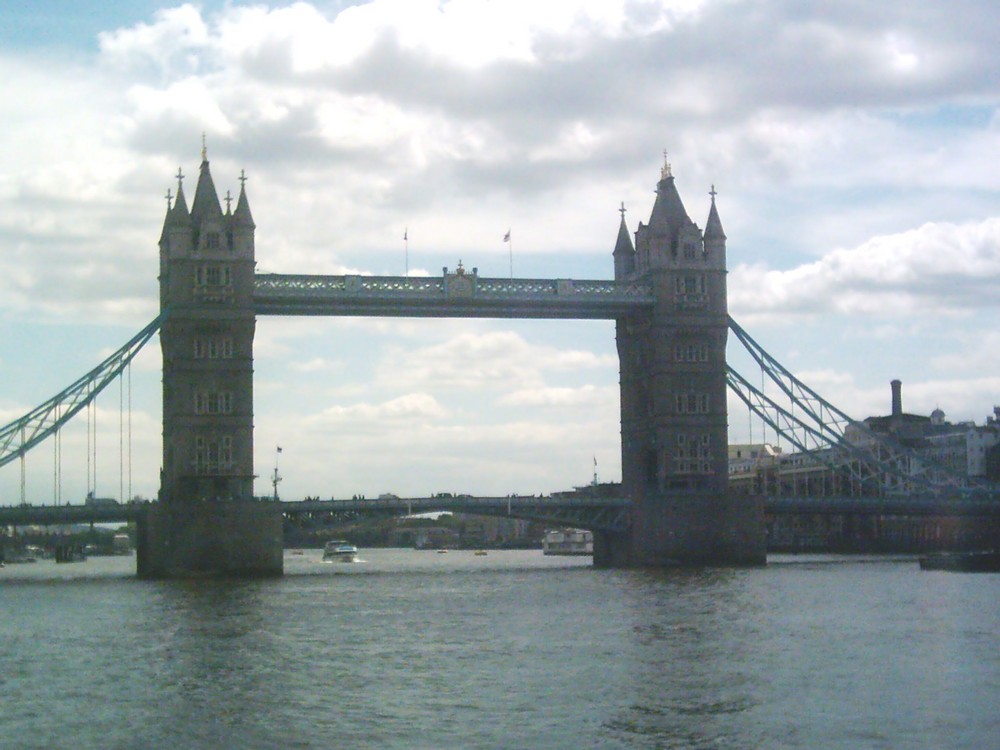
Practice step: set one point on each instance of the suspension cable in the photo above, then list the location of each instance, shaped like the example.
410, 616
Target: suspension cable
22, 469
90, 408
128, 369
25, 433
94, 444
121, 439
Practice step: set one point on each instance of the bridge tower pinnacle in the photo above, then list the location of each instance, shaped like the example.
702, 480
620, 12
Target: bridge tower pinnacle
673, 397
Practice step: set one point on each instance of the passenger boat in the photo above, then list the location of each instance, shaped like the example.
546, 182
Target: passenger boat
568, 542
338, 550
984, 561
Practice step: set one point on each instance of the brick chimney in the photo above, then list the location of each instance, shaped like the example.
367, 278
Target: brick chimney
897, 397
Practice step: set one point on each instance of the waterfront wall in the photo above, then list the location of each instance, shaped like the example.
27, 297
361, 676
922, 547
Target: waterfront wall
875, 534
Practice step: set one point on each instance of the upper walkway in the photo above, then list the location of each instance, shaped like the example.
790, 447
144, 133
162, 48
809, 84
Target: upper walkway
452, 295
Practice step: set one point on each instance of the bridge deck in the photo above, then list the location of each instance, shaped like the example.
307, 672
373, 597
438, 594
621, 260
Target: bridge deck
450, 296
587, 512
594, 513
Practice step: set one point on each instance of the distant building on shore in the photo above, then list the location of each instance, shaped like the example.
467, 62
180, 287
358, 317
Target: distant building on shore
968, 450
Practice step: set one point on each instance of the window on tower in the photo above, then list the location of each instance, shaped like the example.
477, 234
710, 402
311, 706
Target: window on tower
213, 402
690, 290
691, 351
213, 282
692, 454
213, 455
213, 347
692, 403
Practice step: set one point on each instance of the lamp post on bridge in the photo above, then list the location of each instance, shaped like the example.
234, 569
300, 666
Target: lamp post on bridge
276, 478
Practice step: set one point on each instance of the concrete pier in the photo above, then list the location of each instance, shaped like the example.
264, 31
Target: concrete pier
210, 538
688, 529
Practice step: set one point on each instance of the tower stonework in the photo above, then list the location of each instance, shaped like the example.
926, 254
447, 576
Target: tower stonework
673, 399
207, 521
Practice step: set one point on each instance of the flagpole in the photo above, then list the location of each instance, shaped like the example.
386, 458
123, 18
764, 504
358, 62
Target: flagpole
406, 248
510, 250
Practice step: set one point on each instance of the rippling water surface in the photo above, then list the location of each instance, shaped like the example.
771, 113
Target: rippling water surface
510, 650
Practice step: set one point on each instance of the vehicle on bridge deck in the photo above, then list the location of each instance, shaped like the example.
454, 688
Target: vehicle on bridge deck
339, 550
984, 561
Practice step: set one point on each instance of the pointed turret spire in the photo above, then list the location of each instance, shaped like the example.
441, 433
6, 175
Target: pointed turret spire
180, 209
665, 170
624, 253
242, 213
206, 200
713, 227
624, 243
668, 216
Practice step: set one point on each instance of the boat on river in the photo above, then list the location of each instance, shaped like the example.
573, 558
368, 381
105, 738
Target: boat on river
568, 542
983, 561
339, 550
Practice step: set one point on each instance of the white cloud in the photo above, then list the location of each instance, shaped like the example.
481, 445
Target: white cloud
413, 406
172, 43
586, 397
951, 268
499, 360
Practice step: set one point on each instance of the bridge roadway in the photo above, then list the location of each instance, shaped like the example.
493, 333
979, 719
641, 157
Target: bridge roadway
595, 513
454, 295
604, 513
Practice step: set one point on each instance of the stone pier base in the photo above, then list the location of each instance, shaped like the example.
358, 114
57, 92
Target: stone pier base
210, 538
687, 530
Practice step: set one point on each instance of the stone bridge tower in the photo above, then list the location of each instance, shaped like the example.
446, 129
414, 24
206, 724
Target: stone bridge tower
673, 398
207, 520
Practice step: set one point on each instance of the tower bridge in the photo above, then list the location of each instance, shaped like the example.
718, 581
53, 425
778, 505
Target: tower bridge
669, 303
667, 297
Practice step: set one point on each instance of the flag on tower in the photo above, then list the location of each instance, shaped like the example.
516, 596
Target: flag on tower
506, 237
405, 233
279, 449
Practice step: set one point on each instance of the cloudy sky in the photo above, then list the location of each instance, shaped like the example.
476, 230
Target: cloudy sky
854, 150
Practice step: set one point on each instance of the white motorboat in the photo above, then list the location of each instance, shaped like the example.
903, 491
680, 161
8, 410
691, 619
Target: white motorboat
339, 550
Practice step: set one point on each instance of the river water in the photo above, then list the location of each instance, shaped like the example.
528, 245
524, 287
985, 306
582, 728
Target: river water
413, 650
